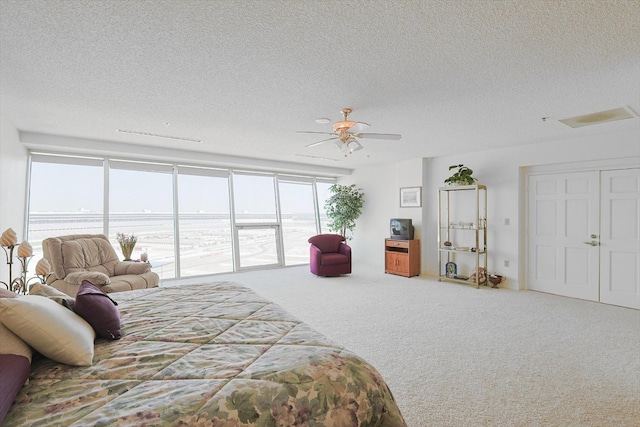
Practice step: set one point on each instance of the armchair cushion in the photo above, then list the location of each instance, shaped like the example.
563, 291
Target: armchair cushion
334, 258
327, 242
131, 267
77, 277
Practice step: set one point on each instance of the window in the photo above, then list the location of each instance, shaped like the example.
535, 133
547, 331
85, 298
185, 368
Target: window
257, 246
141, 203
254, 198
190, 220
256, 221
298, 218
65, 197
323, 194
204, 222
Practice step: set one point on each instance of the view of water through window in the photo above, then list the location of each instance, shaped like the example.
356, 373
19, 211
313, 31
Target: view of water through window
181, 216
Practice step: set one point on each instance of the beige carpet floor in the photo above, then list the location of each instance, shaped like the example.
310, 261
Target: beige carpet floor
454, 355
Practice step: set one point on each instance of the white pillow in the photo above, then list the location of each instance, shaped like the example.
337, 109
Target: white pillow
51, 329
52, 293
10, 343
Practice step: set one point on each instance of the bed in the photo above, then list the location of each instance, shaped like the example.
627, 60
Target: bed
213, 354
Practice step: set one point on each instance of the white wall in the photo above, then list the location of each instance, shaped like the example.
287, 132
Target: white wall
13, 185
381, 186
499, 169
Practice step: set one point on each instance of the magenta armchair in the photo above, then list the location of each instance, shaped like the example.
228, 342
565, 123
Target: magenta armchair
329, 255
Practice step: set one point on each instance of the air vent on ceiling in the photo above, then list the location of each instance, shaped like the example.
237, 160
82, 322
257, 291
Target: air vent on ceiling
600, 117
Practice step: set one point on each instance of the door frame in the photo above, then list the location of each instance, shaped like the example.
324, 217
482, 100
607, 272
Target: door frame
527, 171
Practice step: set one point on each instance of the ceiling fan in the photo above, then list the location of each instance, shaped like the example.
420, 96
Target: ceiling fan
346, 134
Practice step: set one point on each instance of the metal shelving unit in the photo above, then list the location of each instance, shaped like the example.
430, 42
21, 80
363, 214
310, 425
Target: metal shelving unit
462, 232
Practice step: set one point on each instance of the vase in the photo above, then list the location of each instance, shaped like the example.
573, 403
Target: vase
126, 252
495, 279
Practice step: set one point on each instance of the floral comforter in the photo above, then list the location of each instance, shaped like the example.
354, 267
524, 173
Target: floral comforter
208, 355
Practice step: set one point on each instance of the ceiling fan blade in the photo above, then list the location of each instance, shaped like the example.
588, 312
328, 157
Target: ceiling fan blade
392, 136
321, 133
320, 142
359, 127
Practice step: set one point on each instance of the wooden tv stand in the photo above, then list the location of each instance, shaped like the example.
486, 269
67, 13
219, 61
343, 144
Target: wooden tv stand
402, 257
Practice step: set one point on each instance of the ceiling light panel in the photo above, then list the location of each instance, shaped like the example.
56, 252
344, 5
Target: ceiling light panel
599, 117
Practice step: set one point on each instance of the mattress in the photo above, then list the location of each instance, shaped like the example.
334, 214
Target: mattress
214, 354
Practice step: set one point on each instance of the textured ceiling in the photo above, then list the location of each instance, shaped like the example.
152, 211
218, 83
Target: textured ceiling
243, 76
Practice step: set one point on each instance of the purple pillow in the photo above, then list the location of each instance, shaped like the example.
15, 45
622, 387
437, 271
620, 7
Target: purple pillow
100, 311
14, 371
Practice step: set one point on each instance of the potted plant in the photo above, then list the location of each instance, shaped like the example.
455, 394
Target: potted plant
462, 176
344, 207
127, 243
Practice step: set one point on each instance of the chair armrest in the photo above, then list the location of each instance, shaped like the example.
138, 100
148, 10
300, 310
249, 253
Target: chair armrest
131, 267
345, 250
95, 277
50, 278
314, 252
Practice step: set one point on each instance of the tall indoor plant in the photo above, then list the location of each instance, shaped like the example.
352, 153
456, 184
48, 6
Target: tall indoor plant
344, 207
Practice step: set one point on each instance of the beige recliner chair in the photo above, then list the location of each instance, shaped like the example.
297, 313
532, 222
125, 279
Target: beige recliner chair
91, 257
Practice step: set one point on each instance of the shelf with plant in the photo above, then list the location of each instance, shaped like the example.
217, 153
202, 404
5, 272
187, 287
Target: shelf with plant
462, 176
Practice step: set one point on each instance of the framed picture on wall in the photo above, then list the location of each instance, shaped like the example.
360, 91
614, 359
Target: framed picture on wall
411, 197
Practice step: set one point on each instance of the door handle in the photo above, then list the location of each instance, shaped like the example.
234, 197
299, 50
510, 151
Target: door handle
592, 243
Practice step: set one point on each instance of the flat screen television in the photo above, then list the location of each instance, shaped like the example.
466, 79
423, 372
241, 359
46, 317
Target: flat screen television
401, 228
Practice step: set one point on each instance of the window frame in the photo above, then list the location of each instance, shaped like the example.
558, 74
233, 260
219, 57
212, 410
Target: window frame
117, 162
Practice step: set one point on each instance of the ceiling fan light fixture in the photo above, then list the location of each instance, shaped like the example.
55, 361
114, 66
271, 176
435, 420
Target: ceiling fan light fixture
346, 133
343, 126
353, 145
348, 145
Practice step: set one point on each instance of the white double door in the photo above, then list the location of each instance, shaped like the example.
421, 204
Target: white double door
584, 235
